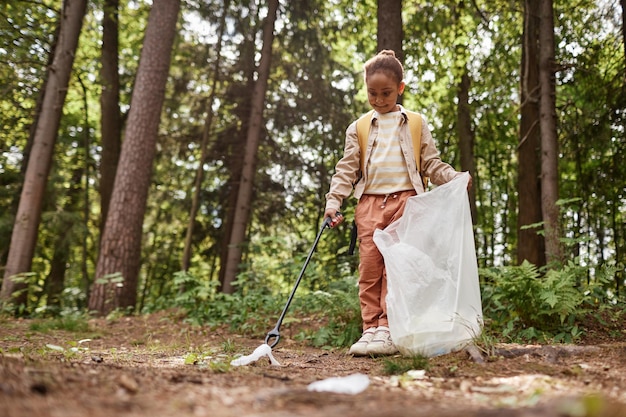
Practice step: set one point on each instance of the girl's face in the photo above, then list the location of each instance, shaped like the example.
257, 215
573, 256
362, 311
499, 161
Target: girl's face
383, 92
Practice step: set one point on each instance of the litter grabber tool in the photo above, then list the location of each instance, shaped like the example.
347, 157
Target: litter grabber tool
274, 334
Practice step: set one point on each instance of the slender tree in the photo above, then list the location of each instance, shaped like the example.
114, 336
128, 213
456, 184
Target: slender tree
464, 129
24, 236
244, 191
233, 140
120, 246
549, 137
466, 137
13, 85
55, 281
530, 243
389, 33
206, 133
623, 3
110, 120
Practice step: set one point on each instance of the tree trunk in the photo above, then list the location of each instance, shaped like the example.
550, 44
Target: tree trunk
24, 236
195, 202
549, 138
120, 246
623, 3
55, 281
530, 243
29, 144
231, 202
389, 30
110, 121
617, 225
466, 138
244, 192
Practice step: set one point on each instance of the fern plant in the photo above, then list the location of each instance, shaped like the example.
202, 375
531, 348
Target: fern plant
339, 308
523, 303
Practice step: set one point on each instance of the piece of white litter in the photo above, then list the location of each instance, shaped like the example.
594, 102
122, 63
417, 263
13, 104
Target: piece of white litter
351, 384
263, 350
55, 347
417, 373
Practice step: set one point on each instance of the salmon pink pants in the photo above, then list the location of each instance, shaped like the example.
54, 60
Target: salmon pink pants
371, 213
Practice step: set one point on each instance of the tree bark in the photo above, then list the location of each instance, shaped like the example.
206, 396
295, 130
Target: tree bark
244, 192
549, 137
623, 3
29, 144
111, 120
120, 246
617, 222
466, 138
28, 217
389, 33
55, 281
530, 243
236, 166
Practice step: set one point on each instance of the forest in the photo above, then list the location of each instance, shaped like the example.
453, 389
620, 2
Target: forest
176, 154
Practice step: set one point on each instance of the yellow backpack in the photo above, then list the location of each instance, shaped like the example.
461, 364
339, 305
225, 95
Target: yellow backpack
363, 125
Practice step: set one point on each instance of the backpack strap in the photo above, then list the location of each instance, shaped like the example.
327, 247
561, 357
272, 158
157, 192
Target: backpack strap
415, 126
364, 123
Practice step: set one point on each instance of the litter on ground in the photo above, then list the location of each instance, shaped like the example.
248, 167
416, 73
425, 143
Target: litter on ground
261, 351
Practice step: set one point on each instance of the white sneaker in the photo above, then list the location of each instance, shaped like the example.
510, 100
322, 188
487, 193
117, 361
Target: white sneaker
360, 347
381, 344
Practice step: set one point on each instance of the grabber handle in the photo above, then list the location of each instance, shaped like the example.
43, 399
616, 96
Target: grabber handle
275, 333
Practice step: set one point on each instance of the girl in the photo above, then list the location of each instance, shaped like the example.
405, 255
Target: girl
389, 177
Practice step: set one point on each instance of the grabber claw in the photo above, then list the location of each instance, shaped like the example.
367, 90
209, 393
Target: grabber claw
272, 334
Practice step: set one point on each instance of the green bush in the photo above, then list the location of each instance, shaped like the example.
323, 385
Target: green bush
523, 303
339, 310
254, 311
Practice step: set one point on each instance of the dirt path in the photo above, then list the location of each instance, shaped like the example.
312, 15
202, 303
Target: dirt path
154, 366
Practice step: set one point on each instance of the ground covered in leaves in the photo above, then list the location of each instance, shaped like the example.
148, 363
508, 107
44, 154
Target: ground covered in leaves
157, 366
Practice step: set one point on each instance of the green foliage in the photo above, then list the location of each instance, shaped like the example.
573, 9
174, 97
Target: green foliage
33, 285
487, 340
338, 309
523, 304
73, 323
192, 292
214, 363
401, 364
335, 312
249, 314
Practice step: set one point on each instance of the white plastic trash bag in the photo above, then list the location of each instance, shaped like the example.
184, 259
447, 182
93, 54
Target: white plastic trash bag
433, 296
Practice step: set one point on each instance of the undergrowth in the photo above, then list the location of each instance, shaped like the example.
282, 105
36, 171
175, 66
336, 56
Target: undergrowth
254, 311
520, 304
401, 365
524, 303
74, 324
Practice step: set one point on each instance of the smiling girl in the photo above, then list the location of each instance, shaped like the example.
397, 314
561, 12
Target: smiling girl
389, 177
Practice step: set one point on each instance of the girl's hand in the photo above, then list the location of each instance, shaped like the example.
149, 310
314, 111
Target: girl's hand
335, 217
469, 183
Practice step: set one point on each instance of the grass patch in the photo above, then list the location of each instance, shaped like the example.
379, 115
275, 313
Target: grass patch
69, 324
400, 365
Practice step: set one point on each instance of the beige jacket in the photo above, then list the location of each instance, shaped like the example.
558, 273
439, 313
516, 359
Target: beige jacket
347, 171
